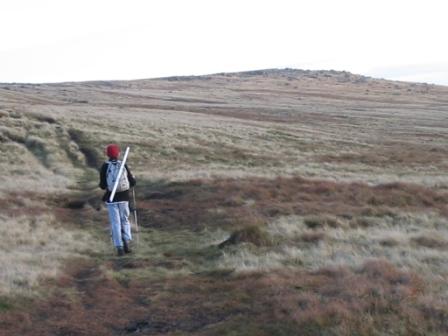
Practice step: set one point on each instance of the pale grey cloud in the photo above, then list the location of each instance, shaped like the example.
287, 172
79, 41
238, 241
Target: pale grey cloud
53, 40
436, 73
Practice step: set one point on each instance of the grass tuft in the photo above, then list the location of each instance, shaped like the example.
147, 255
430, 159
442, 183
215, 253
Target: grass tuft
321, 221
430, 241
251, 234
312, 237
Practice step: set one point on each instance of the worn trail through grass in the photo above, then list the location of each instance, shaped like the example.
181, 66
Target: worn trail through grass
254, 257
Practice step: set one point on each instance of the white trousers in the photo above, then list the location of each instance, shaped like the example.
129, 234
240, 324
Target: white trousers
119, 222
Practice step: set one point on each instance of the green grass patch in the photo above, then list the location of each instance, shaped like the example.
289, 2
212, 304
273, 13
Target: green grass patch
5, 304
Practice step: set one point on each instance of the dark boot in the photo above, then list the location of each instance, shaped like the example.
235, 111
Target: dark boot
126, 247
120, 251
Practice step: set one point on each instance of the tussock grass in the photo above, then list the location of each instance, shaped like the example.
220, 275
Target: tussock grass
224, 154
251, 234
393, 238
394, 155
326, 300
389, 242
299, 232
314, 222
38, 153
312, 237
375, 297
34, 248
433, 240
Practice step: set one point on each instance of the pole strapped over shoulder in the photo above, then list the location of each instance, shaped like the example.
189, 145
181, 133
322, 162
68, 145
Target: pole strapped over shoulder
120, 171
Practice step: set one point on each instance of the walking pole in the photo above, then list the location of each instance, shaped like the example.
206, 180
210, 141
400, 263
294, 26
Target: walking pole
135, 215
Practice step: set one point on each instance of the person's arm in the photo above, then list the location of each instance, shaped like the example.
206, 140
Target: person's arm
131, 178
103, 181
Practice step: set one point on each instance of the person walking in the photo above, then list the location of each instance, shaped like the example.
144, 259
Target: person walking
118, 207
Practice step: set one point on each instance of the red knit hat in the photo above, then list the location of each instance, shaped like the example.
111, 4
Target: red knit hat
113, 151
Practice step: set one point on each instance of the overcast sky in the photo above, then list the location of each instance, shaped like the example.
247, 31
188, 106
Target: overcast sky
76, 40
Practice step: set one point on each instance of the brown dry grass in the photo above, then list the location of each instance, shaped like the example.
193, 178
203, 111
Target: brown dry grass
250, 234
221, 155
39, 246
432, 241
194, 203
232, 126
376, 298
395, 155
39, 237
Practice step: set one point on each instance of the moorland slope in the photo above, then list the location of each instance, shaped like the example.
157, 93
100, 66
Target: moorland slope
270, 202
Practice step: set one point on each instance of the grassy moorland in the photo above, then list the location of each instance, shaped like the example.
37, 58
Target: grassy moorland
277, 202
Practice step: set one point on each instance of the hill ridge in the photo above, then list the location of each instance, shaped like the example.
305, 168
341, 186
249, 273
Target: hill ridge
341, 75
